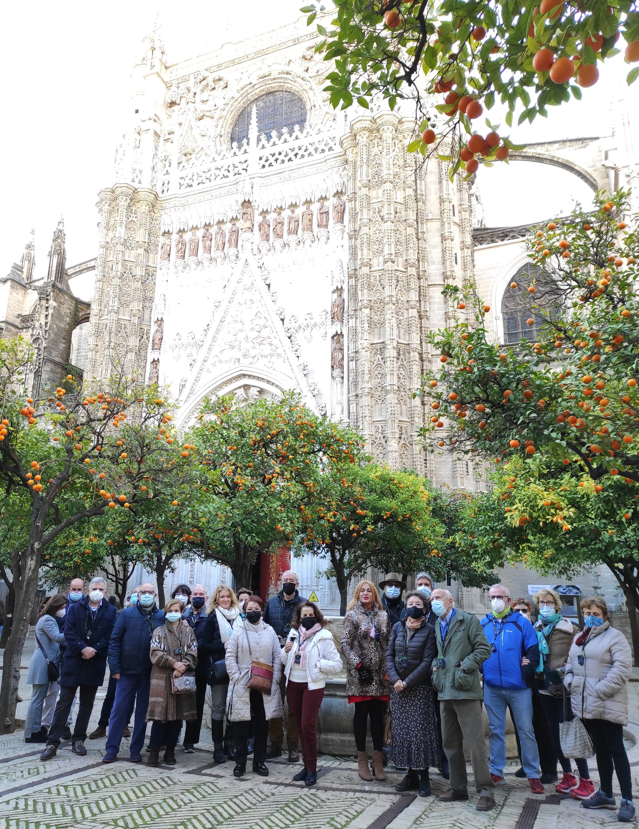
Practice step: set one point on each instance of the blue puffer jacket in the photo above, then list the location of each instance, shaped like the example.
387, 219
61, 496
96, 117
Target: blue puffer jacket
510, 639
130, 645
81, 631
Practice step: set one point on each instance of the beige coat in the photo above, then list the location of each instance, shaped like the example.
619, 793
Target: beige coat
265, 647
358, 646
164, 705
602, 680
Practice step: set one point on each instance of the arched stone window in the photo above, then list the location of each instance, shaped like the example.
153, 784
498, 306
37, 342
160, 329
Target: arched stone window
275, 110
518, 306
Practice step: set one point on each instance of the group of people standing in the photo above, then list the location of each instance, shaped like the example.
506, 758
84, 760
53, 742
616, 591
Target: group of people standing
417, 657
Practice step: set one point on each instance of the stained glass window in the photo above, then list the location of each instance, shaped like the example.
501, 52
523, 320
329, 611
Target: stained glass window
275, 110
518, 305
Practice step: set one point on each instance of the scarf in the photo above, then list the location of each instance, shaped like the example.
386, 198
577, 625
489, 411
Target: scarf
305, 637
414, 624
543, 635
590, 633
225, 619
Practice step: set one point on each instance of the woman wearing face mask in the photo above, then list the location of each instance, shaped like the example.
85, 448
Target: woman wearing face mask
555, 635
252, 641
597, 673
195, 615
173, 653
183, 594
48, 638
411, 650
223, 613
309, 657
364, 641
243, 594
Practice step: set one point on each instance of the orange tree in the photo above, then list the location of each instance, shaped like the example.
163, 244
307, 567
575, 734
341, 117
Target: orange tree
72, 456
264, 461
456, 59
557, 520
572, 395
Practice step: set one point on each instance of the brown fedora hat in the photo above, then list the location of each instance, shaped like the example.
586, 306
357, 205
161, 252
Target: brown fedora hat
393, 577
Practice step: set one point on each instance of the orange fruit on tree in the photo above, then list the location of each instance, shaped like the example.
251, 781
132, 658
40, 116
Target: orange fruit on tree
486, 308
588, 75
465, 155
463, 102
632, 383
632, 51
428, 136
472, 166
595, 42
476, 143
474, 110
548, 6
502, 153
543, 60
530, 449
493, 139
393, 18
562, 70
627, 438
451, 98
479, 33
514, 444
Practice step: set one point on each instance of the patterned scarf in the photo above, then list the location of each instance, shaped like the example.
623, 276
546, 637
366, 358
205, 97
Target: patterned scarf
543, 635
305, 637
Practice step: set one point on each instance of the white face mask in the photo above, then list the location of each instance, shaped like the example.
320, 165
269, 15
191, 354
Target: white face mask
182, 598
96, 596
425, 589
61, 613
498, 605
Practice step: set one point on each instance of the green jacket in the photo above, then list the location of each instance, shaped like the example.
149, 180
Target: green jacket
464, 652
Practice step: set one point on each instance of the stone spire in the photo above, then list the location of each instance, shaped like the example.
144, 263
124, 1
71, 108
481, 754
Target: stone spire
57, 255
28, 258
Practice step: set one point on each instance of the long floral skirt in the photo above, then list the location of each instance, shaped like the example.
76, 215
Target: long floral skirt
414, 729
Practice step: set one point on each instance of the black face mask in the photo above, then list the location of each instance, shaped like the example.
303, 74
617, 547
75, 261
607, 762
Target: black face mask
415, 612
308, 622
197, 602
289, 588
254, 616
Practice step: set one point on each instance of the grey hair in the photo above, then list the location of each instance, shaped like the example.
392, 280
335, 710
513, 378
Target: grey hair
97, 580
425, 576
502, 587
448, 594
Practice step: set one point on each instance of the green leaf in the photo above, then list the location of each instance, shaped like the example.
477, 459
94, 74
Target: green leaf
307, 9
321, 29
414, 145
363, 102
632, 75
509, 117
311, 18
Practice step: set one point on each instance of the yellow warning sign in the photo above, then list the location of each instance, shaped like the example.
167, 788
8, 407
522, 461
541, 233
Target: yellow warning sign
313, 597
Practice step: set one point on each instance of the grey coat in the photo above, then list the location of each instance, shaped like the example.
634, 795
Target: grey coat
601, 683
48, 633
265, 647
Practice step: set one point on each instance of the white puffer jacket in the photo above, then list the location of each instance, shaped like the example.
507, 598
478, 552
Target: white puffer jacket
265, 647
602, 680
322, 658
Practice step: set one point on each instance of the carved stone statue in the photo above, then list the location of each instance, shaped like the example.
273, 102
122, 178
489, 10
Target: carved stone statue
234, 232
293, 223
247, 218
180, 247
322, 216
154, 372
338, 211
207, 241
337, 354
307, 220
158, 335
194, 244
165, 249
278, 226
265, 229
220, 239
337, 307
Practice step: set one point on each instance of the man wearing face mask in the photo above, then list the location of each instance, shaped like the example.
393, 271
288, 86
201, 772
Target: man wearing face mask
507, 674
130, 665
462, 649
196, 615
87, 631
393, 587
425, 585
279, 615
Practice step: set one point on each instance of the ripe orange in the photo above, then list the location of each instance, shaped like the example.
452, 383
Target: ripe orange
543, 60
530, 449
452, 395
428, 136
493, 139
502, 153
175, 503
632, 51
461, 306
393, 18
486, 308
474, 110
627, 438
562, 70
514, 444
451, 98
463, 102
588, 75
479, 33
465, 155
472, 166
480, 407
595, 42
548, 5
632, 383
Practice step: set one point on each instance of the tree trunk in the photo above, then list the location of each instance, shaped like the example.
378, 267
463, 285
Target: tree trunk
629, 583
25, 592
341, 578
9, 608
242, 574
160, 572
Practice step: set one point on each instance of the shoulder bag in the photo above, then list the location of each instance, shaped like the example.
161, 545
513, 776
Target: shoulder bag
53, 669
575, 740
218, 674
261, 678
184, 684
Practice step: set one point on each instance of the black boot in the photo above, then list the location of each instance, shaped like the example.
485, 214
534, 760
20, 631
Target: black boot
424, 783
169, 755
409, 781
154, 757
217, 731
229, 746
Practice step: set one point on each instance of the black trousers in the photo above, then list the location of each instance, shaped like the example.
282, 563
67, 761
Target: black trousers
62, 709
241, 732
543, 736
554, 710
607, 738
375, 709
164, 734
192, 733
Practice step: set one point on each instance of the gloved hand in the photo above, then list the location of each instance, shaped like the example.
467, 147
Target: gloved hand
365, 674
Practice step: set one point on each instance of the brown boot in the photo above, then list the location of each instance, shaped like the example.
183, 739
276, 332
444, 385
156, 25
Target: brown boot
362, 766
378, 766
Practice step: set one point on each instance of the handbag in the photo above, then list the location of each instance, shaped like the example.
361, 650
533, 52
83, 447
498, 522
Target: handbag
575, 740
184, 684
261, 677
53, 669
218, 674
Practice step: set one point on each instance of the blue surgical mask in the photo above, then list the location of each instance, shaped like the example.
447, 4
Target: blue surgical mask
75, 595
146, 599
439, 608
593, 621
393, 592
173, 616
546, 612
134, 598
425, 589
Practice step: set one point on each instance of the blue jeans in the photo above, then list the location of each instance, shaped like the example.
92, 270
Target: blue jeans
497, 701
128, 689
33, 722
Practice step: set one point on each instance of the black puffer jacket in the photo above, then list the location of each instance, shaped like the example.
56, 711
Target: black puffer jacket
419, 653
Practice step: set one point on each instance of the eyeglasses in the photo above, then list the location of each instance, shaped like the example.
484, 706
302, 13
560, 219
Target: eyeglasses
546, 604
504, 598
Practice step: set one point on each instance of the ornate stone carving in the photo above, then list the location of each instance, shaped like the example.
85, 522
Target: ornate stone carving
154, 371
337, 353
194, 244
234, 232
307, 220
278, 226
180, 247
158, 335
207, 240
220, 239
165, 251
247, 218
337, 307
265, 229
322, 216
293, 223
338, 211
